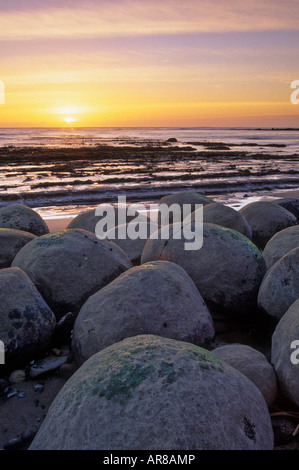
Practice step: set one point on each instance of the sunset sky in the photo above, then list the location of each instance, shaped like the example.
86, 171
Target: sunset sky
149, 63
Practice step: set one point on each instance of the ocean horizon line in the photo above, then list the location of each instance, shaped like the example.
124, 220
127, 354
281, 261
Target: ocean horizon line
154, 127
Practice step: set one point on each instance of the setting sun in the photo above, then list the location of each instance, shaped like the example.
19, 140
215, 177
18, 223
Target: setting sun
69, 120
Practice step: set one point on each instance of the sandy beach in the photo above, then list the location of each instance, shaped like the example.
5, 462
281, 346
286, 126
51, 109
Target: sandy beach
56, 225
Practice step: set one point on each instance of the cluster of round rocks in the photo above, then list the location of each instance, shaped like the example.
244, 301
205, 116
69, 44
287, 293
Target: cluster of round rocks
149, 372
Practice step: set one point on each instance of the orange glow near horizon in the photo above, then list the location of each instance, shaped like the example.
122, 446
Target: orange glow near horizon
176, 64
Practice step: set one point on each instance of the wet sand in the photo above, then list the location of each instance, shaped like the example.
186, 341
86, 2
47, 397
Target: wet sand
56, 225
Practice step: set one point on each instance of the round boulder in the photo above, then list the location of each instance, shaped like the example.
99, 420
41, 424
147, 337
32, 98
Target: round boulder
265, 219
11, 241
85, 220
153, 393
189, 199
285, 353
253, 364
69, 266
280, 244
289, 203
19, 217
227, 270
225, 216
27, 324
280, 286
156, 298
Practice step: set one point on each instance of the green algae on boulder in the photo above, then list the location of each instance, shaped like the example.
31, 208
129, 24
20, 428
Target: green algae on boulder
20, 217
152, 393
27, 324
280, 286
227, 270
11, 241
155, 298
69, 266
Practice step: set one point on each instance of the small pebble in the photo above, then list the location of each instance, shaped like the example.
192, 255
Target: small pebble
16, 376
38, 387
46, 365
12, 393
56, 351
21, 441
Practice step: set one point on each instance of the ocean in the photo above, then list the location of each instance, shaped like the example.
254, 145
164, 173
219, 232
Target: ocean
60, 170
264, 139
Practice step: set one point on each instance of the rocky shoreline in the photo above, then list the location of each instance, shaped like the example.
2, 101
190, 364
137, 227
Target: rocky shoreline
44, 177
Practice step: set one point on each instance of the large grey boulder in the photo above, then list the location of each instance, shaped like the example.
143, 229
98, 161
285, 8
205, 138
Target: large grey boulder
227, 270
227, 217
156, 298
285, 353
86, 220
289, 203
253, 364
265, 219
27, 324
69, 266
280, 244
20, 217
183, 198
153, 393
11, 241
280, 286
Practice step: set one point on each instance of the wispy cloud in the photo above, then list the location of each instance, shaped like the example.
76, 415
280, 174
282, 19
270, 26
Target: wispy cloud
132, 17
